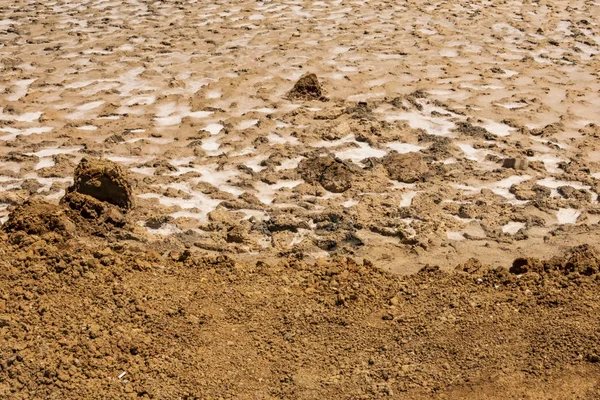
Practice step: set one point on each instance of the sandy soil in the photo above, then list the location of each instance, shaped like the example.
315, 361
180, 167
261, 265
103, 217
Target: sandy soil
88, 317
430, 133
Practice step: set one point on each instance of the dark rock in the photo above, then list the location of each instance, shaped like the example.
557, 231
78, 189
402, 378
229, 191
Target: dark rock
515, 163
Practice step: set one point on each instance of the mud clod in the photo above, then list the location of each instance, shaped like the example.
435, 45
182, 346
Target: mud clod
103, 180
407, 168
307, 88
333, 174
37, 218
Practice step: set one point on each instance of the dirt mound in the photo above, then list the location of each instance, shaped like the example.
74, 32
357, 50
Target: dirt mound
407, 168
583, 260
92, 209
116, 321
333, 174
103, 180
306, 88
37, 218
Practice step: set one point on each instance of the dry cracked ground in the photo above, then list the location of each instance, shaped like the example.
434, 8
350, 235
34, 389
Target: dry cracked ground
431, 133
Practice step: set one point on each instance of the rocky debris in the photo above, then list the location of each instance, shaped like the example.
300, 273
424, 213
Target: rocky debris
157, 222
332, 173
530, 190
569, 192
407, 168
468, 129
583, 260
307, 88
102, 180
92, 209
515, 163
37, 218
548, 130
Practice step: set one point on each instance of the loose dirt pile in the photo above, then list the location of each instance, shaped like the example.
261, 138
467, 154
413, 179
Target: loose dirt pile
88, 317
307, 88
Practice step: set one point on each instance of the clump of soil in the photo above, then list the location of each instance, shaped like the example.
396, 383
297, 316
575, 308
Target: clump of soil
332, 173
103, 180
307, 88
38, 218
407, 168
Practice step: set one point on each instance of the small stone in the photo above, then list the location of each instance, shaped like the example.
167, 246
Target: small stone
515, 163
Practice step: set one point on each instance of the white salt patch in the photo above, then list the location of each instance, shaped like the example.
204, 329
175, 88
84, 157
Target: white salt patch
166, 229
350, 203
128, 160
87, 128
91, 105
289, 164
215, 94
169, 121
266, 193
472, 153
181, 161
197, 200
299, 237
210, 145
143, 170
441, 93
512, 106
265, 110
403, 148
213, 129
25, 117
455, 235
357, 154
54, 151
254, 163
497, 128
278, 139
407, 198
340, 49
513, 227
140, 100
243, 152
550, 162
44, 163
567, 215
247, 124
502, 187
20, 89
402, 185
433, 125
25, 132
47, 182
448, 53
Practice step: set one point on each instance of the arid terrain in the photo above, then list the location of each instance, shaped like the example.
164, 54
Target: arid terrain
272, 178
